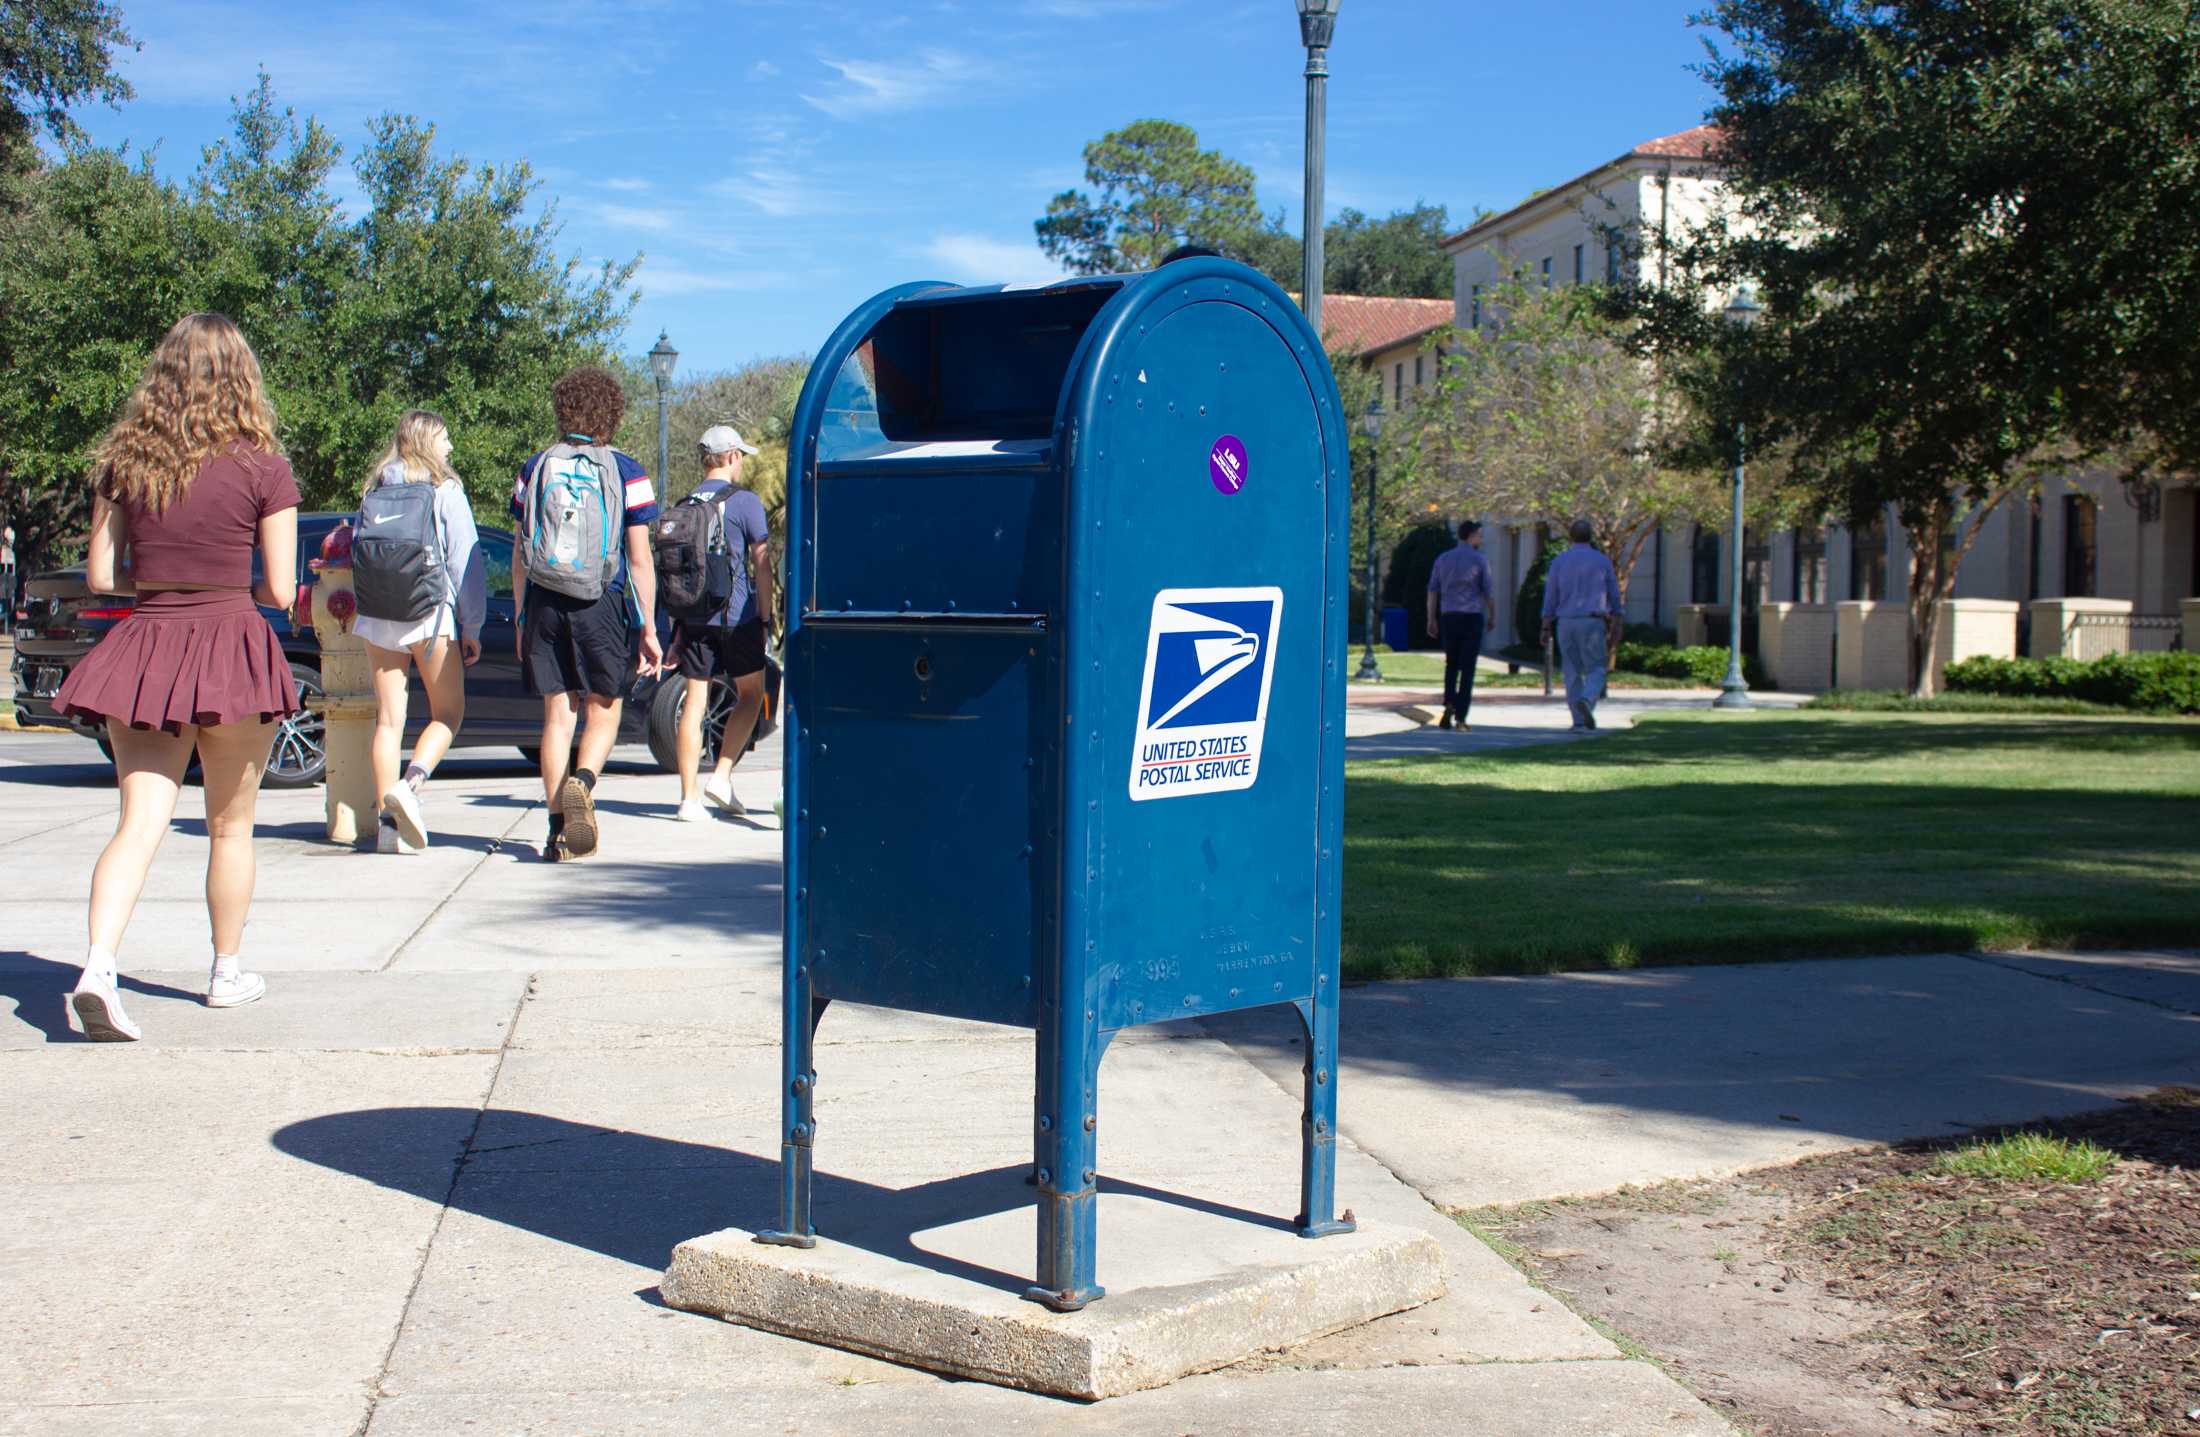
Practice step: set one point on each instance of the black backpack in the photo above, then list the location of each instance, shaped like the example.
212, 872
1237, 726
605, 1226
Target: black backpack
694, 564
397, 553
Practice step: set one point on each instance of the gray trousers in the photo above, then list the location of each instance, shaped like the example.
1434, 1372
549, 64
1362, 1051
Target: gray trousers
1581, 653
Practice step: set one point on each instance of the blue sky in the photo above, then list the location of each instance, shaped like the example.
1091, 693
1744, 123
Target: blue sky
777, 161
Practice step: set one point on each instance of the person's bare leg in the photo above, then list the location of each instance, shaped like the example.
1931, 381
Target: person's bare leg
558, 718
688, 747
733, 739
600, 732
443, 674
232, 759
576, 798
149, 767
387, 748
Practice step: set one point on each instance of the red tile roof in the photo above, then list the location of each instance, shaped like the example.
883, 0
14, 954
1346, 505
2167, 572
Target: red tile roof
1360, 325
1698, 143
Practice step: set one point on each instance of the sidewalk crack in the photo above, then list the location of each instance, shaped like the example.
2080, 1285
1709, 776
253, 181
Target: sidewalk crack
496, 847
2001, 961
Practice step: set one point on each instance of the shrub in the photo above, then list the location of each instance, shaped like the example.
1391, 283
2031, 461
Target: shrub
1528, 604
1702, 664
1406, 584
2158, 683
2029, 1157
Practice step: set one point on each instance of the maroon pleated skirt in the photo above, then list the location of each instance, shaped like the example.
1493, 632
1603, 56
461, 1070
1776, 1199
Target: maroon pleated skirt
184, 656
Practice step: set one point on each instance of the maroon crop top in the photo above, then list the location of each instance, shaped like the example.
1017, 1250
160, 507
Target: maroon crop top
208, 537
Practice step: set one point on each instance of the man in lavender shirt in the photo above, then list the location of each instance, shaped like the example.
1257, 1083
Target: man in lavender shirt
1458, 607
1581, 604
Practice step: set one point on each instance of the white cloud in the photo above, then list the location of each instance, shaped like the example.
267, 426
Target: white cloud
627, 217
763, 70
664, 279
626, 183
782, 194
873, 87
982, 259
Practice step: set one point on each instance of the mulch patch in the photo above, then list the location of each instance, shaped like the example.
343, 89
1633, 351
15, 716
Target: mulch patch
2022, 1307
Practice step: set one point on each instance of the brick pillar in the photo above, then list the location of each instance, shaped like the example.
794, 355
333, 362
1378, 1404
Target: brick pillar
1969, 628
1699, 625
2191, 611
1872, 644
2057, 634
1795, 643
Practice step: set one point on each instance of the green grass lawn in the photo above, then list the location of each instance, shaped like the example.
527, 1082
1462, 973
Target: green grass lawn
1726, 838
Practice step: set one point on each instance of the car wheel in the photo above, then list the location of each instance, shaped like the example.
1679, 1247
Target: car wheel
664, 721
300, 755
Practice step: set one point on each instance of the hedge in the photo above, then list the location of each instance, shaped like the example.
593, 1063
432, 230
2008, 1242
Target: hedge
2157, 683
1702, 664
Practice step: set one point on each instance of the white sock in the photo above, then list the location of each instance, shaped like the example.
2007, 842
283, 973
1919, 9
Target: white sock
225, 966
99, 962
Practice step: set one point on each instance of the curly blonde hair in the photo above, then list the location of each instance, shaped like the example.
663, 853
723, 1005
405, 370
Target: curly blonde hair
201, 391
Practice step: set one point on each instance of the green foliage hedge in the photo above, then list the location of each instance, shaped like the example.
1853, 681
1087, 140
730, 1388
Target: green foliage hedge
2158, 683
1700, 664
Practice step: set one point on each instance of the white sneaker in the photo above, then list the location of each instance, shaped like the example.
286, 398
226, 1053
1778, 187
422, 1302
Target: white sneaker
692, 811
388, 840
720, 792
96, 1005
402, 804
229, 986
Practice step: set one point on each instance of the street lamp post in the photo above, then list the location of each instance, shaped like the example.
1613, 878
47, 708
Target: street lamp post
1741, 312
661, 360
1369, 671
1317, 22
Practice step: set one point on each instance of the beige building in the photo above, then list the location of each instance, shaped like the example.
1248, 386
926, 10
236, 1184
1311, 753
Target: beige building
2080, 535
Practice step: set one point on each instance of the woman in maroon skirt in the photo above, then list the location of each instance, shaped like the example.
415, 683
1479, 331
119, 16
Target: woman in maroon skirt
191, 483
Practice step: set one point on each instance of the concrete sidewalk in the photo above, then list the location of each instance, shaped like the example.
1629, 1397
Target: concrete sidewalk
430, 1183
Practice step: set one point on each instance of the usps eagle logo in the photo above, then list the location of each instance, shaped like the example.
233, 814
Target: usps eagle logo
1203, 703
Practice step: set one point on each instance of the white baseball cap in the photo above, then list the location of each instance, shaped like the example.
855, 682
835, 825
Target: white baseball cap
721, 438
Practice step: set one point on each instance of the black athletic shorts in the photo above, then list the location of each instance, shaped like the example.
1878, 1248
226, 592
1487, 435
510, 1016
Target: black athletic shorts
707, 652
570, 645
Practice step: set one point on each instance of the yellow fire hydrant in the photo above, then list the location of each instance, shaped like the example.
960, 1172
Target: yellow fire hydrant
347, 702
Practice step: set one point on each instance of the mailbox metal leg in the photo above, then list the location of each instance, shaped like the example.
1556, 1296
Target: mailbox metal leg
798, 1116
1068, 1171
1318, 1126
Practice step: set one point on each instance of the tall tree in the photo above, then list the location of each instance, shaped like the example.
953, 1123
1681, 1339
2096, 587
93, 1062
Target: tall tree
1153, 188
1971, 224
1544, 412
1401, 254
54, 56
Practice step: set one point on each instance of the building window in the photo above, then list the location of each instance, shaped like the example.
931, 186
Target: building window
1546, 271
1703, 567
1578, 249
1756, 569
1611, 261
1398, 383
1417, 362
1868, 561
1474, 307
1810, 566
2080, 533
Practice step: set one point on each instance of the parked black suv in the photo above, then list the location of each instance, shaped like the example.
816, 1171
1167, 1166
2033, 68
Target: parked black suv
63, 619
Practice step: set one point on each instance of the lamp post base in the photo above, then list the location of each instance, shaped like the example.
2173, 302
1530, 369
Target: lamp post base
1367, 672
1733, 696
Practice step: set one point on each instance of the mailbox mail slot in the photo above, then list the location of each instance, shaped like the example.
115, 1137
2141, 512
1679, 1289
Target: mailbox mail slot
1064, 655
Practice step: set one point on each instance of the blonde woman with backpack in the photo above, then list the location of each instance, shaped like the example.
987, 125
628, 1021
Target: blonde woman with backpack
423, 591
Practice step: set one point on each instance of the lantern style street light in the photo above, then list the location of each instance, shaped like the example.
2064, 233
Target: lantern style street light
1372, 422
1317, 22
661, 360
1741, 312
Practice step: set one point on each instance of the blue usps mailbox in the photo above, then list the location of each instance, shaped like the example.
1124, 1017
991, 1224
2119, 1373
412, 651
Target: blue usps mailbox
1066, 578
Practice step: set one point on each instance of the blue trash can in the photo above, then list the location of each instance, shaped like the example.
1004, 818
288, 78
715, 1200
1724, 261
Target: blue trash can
1065, 731
1395, 632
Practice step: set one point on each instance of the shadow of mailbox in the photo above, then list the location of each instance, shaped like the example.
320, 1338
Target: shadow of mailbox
1065, 733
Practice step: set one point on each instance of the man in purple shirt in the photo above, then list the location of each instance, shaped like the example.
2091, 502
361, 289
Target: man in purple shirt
1458, 607
1581, 605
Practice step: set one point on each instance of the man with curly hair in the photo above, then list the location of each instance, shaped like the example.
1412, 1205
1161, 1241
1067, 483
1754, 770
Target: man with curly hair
582, 651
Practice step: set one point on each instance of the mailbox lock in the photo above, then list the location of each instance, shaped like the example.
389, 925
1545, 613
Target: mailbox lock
924, 669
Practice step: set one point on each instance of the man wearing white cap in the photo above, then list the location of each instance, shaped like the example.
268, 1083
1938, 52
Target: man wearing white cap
731, 641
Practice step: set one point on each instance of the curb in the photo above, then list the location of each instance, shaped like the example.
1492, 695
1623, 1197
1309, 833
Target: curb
1422, 716
7, 721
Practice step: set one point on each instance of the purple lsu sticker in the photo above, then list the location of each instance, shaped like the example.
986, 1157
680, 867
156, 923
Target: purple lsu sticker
1226, 464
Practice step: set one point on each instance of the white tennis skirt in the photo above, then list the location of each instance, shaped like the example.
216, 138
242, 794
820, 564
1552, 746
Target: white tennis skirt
400, 635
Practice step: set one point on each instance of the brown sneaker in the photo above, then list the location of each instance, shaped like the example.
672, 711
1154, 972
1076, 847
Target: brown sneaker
579, 807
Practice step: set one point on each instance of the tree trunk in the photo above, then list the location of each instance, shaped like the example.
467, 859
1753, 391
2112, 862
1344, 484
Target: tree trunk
1933, 568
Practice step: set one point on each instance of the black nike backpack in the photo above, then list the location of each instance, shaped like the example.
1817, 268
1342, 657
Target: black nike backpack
397, 553
694, 565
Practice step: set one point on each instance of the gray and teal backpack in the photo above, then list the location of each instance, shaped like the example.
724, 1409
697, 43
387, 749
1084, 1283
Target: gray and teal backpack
576, 503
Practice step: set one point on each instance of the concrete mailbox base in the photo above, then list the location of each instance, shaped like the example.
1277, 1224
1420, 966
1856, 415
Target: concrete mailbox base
1191, 1291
